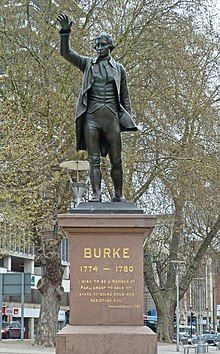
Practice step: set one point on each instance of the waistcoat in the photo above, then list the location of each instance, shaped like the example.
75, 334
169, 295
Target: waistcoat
103, 91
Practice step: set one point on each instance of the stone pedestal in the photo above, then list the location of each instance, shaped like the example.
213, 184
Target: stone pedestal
106, 297
106, 340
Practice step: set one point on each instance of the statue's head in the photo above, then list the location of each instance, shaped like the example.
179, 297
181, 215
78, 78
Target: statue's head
103, 44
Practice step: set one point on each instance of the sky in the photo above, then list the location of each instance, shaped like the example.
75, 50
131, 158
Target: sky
218, 5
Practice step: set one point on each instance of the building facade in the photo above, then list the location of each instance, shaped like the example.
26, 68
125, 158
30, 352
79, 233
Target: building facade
17, 254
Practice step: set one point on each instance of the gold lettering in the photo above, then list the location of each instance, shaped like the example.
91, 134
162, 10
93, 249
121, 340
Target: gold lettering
125, 252
98, 254
87, 253
106, 253
115, 253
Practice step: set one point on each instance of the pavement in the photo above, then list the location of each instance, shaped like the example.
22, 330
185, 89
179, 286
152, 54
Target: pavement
15, 346
27, 347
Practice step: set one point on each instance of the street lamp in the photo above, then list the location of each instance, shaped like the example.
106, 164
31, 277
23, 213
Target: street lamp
200, 348
207, 319
191, 320
78, 187
176, 266
214, 309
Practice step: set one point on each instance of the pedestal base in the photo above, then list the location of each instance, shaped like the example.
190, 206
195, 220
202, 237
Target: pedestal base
106, 340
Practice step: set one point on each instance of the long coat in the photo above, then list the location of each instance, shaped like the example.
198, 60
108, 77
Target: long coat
118, 73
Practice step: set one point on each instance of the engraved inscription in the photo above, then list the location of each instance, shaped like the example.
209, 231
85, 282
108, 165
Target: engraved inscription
108, 291
106, 253
107, 275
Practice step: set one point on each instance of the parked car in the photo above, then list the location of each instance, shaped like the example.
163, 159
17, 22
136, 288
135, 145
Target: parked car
210, 338
5, 330
151, 322
183, 335
190, 339
12, 330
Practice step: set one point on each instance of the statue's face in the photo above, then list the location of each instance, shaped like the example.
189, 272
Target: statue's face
102, 48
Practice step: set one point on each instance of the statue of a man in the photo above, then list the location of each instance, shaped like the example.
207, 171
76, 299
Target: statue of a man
103, 109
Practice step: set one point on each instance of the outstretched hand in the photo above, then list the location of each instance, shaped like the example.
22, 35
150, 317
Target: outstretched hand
65, 21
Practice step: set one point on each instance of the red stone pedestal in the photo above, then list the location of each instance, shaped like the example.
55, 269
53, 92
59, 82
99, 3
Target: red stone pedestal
106, 296
106, 340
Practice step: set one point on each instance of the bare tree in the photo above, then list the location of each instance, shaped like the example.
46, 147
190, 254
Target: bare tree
169, 51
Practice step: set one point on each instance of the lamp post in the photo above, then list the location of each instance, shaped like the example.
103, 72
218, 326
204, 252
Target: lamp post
200, 318
200, 348
176, 266
207, 319
78, 187
191, 321
214, 309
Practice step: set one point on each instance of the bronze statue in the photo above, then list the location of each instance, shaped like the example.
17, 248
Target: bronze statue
103, 109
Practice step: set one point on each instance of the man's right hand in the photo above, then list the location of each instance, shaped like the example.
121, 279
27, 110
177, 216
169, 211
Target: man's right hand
65, 22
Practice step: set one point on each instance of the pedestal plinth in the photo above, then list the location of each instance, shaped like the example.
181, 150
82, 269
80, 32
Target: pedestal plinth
106, 277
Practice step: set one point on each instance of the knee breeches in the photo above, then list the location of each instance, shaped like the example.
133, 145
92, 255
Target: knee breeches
103, 124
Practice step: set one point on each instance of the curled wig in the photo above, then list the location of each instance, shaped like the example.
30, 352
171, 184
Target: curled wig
108, 39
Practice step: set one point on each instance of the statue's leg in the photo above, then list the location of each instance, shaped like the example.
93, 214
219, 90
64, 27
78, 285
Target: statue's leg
95, 178
113, 137
117, 179
92, 138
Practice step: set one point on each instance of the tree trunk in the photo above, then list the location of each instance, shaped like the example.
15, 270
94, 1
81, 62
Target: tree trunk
50, 305
50, 287
165, 313
163, 300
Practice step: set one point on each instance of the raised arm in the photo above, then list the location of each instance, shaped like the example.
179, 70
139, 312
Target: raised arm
65, 50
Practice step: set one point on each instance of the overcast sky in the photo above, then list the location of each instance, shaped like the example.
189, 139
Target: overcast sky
218, 4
